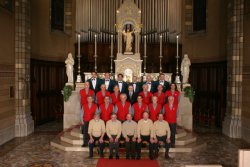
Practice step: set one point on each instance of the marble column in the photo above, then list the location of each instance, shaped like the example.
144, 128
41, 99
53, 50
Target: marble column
232, 122
24, 124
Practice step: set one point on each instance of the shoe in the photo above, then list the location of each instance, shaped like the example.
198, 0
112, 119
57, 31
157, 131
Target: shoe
138, 157
90, 156
151, 157
84, 145
110, 157
117, 157
167, 156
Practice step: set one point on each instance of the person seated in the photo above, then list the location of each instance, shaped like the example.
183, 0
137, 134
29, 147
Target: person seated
96, 133
113, 130
170, 115
86, 92
122, 108
151, 83
145, 132
162, 134
154, 108
161, 95
115, 96
137, 87
95, 82
87, 114
138, 109
106, 109
123, 86
132, 96
108, 82
101, 95
163, 82
174, 92
145, 94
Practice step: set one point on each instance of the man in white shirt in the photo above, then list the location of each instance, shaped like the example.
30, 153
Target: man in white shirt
122, 85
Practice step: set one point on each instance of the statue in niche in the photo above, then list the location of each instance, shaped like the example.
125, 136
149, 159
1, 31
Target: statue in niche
69, 68
128, 38
185, 68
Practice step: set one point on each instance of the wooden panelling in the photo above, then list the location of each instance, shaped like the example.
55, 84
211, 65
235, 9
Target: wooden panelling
47, 80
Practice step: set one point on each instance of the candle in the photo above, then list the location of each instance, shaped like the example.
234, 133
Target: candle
79, 38
111, 56
177, 47
145, 53
160, 52
95, 45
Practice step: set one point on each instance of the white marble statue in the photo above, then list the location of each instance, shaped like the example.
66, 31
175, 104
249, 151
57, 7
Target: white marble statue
69, 68
128, 36
185, 68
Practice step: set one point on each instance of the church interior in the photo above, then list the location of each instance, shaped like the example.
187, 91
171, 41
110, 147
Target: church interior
49, 49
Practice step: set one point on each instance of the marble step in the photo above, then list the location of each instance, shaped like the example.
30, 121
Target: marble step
189, 138
68, 138
65, 146
77, 133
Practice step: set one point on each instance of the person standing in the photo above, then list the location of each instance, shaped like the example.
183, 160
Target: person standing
106, 109
95, 82
170, 114
174, 92
151, 84
113, 130
86, 92
87, 114
96, 133
138, 109
165, 84
129, 132
137, 87
161, 95
145, 94
115, 96
145, 132
131, 96
122, 108
108, 82
101, 95
162, 134
154, 108
123, 86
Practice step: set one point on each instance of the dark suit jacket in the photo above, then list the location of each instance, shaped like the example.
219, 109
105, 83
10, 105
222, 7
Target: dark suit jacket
138, 88
166, 85
153, 86
112, 83
98, 84
133, 98
124, 87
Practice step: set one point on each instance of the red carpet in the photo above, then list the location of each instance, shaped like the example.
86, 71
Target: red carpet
104, 162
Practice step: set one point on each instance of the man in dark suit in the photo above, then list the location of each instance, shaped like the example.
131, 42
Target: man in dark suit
123, 86
137, 86
163, 82
131, 95
95, 83
109, 82
151, 84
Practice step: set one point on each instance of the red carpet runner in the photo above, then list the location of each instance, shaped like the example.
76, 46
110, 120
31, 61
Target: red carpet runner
104, 162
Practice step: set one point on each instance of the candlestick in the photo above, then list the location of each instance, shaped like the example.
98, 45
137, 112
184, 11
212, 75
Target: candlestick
95, 56
79, 78
145, 54
111, 56
160, 53
177, 77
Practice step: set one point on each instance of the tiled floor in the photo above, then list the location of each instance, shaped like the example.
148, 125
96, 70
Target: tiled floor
36, 148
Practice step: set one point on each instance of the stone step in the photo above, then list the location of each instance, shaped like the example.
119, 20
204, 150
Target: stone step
68, 138
189, 138
77, 133
65, 146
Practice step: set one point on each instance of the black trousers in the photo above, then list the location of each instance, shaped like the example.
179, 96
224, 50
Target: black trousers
85, 133
130, 147
173, 131
164, 140
92, 145
114, 146
151, 146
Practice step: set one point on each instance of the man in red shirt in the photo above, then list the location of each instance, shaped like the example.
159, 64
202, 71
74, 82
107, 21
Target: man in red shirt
115, 96
101, 95
146, 95
160, 94
170, 114
174, 92
154, 108
106, 109
138, 109
86, 92
122, 108
87, 114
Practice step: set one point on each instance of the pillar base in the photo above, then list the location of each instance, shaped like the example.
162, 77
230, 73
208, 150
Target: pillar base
232, 126
24, 126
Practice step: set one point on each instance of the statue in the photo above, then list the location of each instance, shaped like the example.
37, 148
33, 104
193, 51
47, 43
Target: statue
128, 39
69, 68
185, 64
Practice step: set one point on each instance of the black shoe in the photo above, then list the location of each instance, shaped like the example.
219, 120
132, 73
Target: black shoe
167, 156
90, 156
138, 157
151, 157
117, 157
84, 145
110, 157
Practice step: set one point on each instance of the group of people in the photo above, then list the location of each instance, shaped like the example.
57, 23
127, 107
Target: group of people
135, 112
